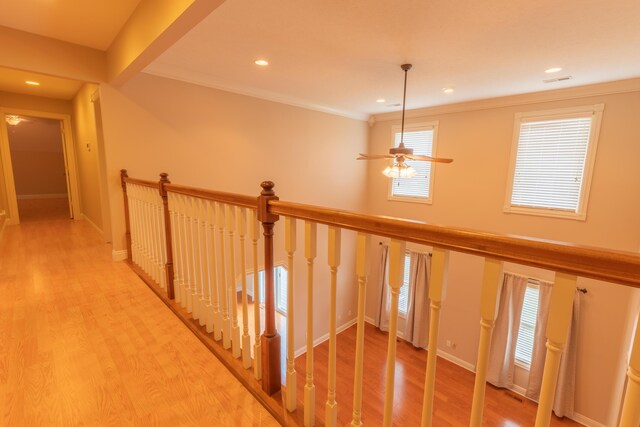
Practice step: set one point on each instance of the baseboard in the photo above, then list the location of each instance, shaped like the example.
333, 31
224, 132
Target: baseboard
370, 320
41, 196
325, 337
585, 421
119, 255
93, 224
456, 360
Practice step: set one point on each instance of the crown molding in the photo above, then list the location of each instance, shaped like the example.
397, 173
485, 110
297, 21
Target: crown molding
608, 88
201, 79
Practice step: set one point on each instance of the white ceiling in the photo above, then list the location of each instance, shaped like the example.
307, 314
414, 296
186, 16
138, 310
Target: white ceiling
93, 23
340, 56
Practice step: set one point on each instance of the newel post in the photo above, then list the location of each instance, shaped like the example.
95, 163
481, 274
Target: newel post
270, 339
123, 182
167, 232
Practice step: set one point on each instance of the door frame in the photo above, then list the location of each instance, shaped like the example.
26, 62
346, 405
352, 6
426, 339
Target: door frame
5, 154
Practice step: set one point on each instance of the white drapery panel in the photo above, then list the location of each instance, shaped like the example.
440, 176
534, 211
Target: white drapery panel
503, 343
382, 316
416, 329
565, 388
501, 367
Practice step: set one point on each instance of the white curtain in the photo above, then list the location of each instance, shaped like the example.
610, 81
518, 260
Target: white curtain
382, 316
505, 333
416, 329
565, 388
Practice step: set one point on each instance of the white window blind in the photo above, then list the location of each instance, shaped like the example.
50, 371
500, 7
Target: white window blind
419, 186
550, 163
524, 343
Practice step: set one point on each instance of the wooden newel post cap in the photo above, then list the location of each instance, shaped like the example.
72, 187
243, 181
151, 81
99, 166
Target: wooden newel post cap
266, 195
164, 179
267, 188
123, 175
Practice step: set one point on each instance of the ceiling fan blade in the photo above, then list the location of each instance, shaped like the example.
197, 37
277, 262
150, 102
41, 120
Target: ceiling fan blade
429, 159
375, 156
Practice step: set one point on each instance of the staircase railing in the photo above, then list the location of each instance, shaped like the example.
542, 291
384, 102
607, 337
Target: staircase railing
182, 239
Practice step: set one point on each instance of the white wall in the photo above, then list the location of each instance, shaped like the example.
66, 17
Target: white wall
470, 193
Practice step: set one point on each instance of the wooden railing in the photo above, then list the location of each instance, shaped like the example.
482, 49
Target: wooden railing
196, 224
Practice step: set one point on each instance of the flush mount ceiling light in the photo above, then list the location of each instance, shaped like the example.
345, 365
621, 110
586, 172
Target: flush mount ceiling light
13, 120
32, 83
262, 62
552, 70
447, 89
399, 168
380, 100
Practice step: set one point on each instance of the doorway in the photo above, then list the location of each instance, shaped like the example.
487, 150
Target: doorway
39, 166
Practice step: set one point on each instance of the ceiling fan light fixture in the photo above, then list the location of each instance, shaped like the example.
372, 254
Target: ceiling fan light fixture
399, 169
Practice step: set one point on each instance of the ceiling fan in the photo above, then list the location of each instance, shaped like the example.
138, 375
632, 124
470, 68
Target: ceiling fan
399, 168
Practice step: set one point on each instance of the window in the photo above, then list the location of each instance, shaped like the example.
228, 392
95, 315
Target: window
280, 279
552, 161
422, 139
281, 289
403, 304
524, 343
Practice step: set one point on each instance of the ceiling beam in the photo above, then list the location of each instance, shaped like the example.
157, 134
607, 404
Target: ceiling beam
44, 55
152, 28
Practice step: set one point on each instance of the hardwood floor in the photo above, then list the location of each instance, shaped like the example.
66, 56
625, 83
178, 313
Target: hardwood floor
454, 387
83, 341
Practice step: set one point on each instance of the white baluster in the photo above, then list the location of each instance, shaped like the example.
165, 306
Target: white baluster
397, 251
133, 222
196, 289
362, 249
231, 280
331, 407
189, 290
204, 265
254, 231
241, 214
212, 303
216, 314
437, 287
558, 324
222, 277
630, 416
183, 224
290, 248
491, 287
310, 240
175, 241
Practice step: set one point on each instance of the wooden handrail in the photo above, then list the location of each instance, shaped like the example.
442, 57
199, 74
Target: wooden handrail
143, 182
585, 261
217, 196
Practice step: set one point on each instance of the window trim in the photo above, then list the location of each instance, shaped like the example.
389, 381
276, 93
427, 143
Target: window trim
593, 111
413, 127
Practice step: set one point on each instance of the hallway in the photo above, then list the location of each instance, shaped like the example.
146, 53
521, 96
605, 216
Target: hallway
83, 341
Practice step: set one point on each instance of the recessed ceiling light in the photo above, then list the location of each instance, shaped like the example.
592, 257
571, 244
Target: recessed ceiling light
380, 100
262, 62
447, 89
32, 83
552, 70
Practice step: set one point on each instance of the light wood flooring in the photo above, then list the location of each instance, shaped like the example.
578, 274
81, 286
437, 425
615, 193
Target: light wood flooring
83, 341
454, 387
